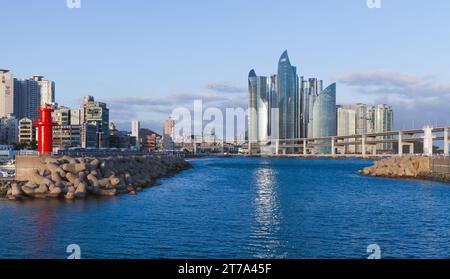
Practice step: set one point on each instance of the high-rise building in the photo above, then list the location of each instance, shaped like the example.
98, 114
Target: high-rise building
135, 128
370, 120
384, 121
361, 118
46, 90
26, 98
258, 105
324, 118
169, 134
8, 130
311, 88
287, 93
6, 93
346, 126
26, 131
97, 114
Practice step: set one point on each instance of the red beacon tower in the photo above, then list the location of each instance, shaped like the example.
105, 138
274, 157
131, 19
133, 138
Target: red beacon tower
45, 130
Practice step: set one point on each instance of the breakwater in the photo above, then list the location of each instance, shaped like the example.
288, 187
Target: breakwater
70, 178
406, 166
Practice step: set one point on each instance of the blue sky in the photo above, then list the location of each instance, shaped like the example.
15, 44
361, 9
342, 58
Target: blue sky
145, 57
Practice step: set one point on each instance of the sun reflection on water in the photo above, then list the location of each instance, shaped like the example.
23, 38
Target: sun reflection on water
265, 236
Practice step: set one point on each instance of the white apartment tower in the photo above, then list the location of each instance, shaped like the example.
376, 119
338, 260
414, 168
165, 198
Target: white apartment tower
6, 93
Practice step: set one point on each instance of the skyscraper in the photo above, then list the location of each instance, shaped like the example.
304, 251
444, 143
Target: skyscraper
384, 120
46, 90
6, 93
26, 98
287, 93
135, 128
311, 88
168, 136
346, 126
258, 104
324, 117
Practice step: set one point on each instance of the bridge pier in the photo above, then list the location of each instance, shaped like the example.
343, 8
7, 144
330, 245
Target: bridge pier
428, 141
305, 151
277, 146
363, 147
333, 150
400, 143
446, 142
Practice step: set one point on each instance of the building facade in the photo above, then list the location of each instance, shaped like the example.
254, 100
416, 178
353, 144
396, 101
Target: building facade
97, 114
346, 126
149, 140
6, 93
168, 134
258, 103
288, 97
26, 98
26, 133
46, 90
66, 136
324, 118
384, 121
8, 130
135, 128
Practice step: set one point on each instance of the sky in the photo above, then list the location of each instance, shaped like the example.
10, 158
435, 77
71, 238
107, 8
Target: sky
146, 57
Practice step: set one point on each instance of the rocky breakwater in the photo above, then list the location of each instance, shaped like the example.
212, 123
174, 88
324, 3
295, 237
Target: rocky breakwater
77, 178
400, 167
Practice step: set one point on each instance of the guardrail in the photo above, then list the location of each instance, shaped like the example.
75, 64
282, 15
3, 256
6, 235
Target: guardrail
440, 164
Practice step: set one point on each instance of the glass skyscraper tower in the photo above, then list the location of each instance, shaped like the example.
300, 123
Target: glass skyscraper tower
258, 104
324, 117
287, 92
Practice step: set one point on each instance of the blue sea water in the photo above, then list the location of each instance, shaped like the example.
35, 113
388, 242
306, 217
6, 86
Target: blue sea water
242, 208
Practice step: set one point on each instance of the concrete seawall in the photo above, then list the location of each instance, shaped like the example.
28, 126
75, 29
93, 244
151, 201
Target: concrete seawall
70, 178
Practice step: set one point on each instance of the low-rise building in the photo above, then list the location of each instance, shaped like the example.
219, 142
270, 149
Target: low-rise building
149, 140
66, 136
89, 136
26, 131
6, 153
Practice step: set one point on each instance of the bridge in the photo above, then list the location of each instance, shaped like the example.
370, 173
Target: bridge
305, 146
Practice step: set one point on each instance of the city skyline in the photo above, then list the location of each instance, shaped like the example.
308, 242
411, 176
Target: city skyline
364, 67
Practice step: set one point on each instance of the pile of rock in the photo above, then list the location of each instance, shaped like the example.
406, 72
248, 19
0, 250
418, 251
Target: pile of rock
406, 166
79, 177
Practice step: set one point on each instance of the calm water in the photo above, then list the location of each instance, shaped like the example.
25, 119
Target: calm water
242, 208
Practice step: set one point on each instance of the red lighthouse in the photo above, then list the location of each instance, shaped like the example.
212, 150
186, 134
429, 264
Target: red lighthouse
45, 130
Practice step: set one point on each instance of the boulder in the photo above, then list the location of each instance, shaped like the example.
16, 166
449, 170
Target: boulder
70, 195
55, 190
114, 181
15, 190
43, 189
81, 190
